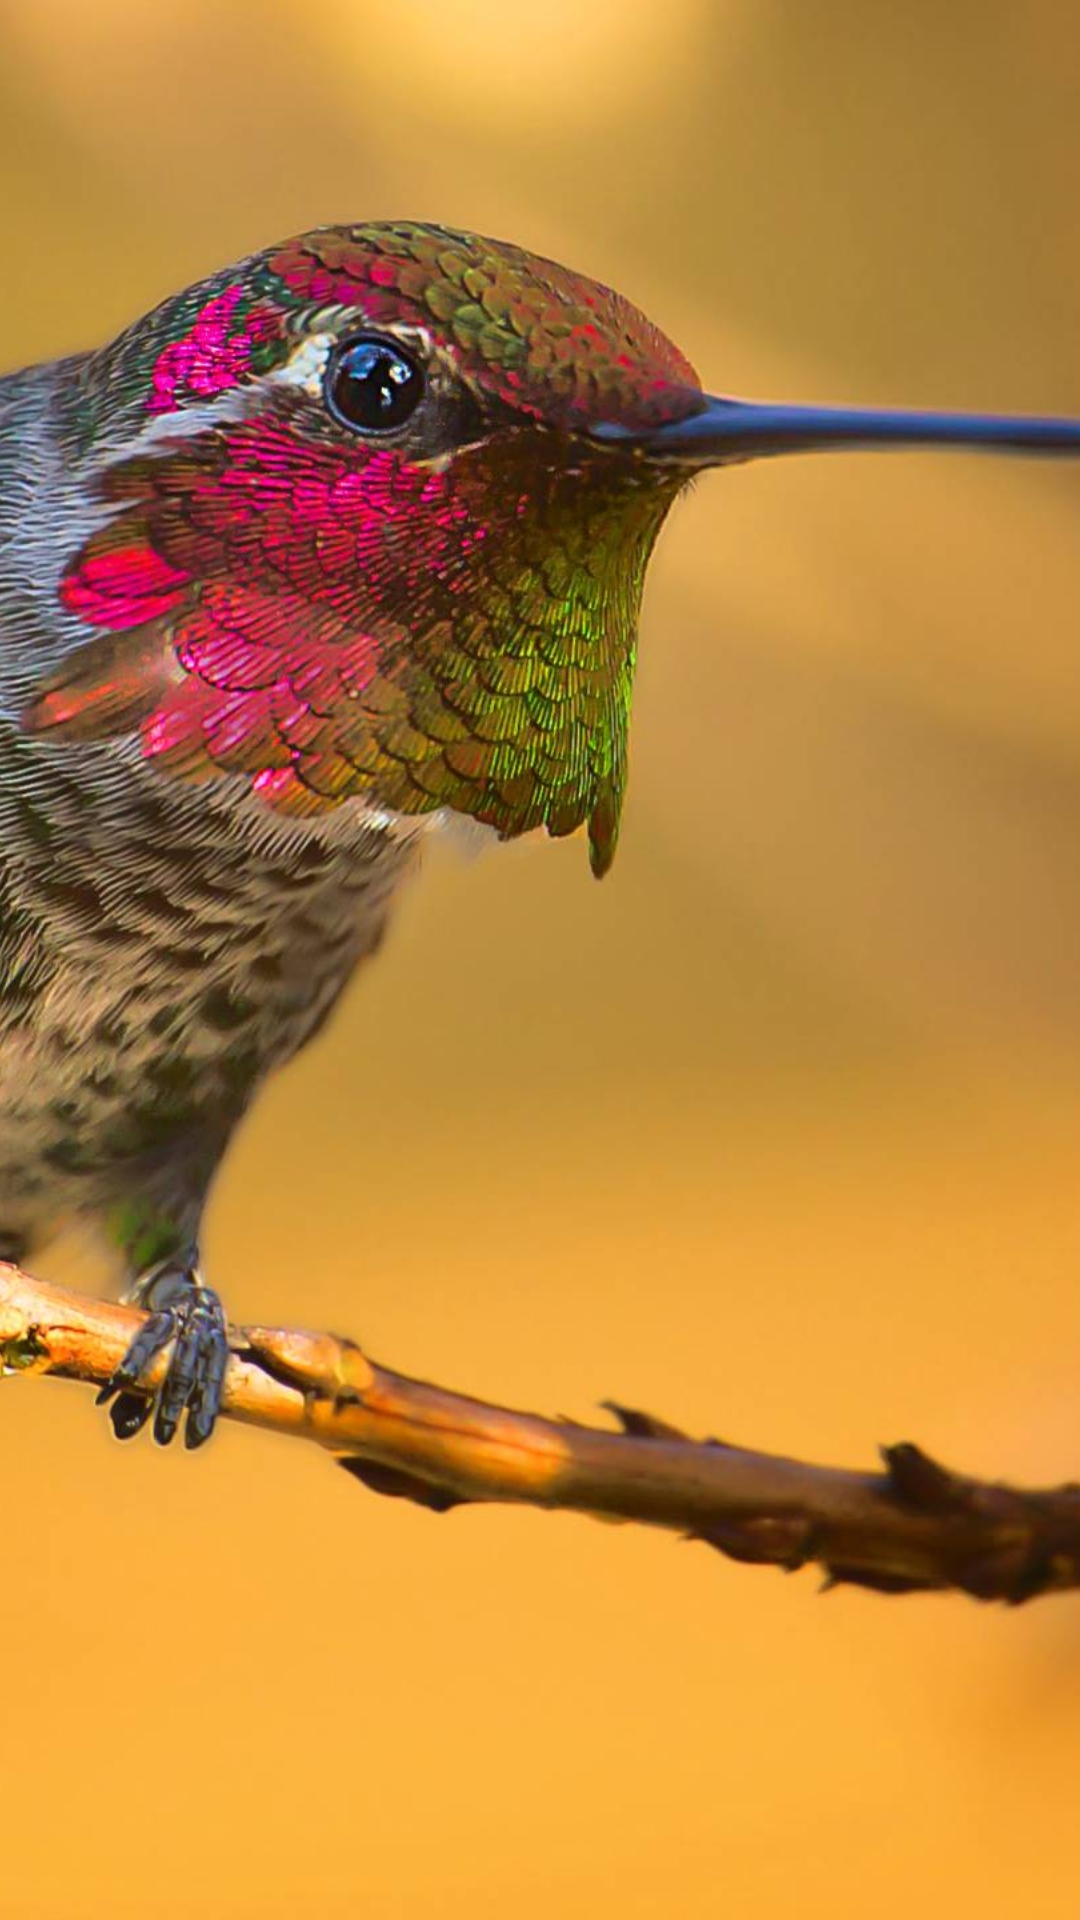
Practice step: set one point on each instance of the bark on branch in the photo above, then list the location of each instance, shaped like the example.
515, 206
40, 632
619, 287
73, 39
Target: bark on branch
914, 1525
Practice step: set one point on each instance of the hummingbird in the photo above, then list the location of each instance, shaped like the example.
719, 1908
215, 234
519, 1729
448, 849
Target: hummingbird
336, 547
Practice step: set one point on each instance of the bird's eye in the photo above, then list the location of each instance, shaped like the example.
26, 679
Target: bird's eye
372, 385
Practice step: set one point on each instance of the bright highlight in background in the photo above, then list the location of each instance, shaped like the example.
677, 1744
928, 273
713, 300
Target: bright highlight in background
499, 68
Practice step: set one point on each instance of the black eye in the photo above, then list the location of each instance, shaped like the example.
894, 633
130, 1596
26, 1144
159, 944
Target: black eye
372, 385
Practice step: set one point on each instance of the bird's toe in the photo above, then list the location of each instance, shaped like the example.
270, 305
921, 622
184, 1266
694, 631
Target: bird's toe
188, 1318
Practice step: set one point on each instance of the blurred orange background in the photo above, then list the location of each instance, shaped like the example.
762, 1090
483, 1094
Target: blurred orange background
776, 1133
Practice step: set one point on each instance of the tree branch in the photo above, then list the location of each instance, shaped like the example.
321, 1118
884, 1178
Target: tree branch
913, 1526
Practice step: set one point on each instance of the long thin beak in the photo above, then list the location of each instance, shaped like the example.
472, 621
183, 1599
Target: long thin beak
728, 430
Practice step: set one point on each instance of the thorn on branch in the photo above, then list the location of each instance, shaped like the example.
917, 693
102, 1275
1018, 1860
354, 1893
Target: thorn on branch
916, 1480
398, 1485
643, 1426
786, 1541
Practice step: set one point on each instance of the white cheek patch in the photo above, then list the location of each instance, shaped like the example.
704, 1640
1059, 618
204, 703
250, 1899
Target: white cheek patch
305, 370
185, 423
303, 373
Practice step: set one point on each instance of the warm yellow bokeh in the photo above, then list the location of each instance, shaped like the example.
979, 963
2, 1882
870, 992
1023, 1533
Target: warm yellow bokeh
776, 1133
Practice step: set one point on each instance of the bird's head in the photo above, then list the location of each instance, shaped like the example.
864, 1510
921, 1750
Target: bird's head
363, 539
376, 508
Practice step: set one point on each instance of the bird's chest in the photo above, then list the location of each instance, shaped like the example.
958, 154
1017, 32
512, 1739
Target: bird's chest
161, 952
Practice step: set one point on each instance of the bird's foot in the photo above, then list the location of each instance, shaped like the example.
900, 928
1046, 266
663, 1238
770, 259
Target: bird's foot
187, 1317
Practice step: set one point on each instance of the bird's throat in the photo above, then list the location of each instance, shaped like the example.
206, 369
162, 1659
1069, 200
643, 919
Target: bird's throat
429, 637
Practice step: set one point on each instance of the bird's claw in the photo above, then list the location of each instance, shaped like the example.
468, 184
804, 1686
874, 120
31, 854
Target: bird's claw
188, 1317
